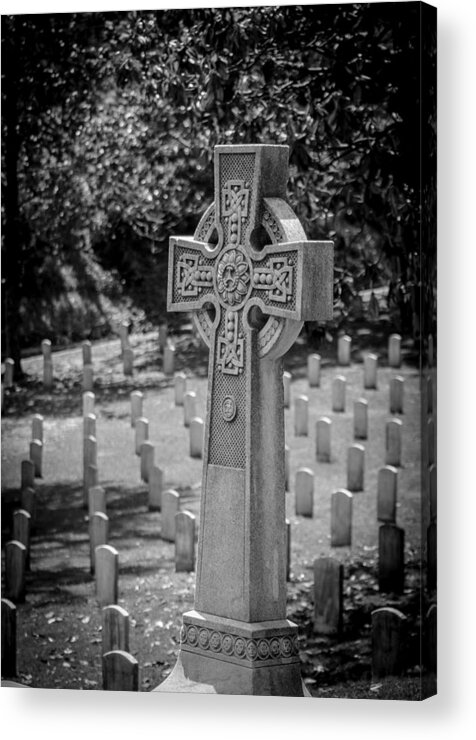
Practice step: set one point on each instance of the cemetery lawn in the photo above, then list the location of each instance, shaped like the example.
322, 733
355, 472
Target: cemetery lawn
59, 625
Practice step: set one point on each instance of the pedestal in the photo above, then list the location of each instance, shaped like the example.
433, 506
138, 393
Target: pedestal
225, 656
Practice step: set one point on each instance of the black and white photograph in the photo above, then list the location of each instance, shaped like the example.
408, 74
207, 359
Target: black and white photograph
220, 351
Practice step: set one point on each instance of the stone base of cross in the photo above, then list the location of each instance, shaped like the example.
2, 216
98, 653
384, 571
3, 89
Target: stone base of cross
251, 278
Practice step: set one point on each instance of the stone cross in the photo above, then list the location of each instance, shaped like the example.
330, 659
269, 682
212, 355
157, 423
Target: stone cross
250, 278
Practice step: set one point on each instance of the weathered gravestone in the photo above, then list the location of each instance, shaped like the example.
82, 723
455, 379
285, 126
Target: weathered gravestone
304, 492
142, 432
180, 387
396, 394
15, 565
393, 442
37, 427
36, 456
156, 484
370, 371
341, 519
287, 389
88, 403
196, 437
388, 642
120, 671
87, 352
314, 370
137, 399
88, 378
98, 535
328, 596
27, 474
184, 541
170, 507
338, 393
344, 345
106, 561
9, 639
391, 563
301, 416
251, 278
394, 350
323, 439
361, 415
169, 360
189, 407
387, 494
147, 452
355, 468
115, 628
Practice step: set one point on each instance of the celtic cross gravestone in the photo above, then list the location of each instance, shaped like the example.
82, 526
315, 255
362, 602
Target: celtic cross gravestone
250, 278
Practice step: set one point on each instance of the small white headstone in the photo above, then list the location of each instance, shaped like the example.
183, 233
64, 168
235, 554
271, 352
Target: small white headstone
88, 403
120, 671
15, 565
37, 427
21, 531
394, 350
338, 393
88, 378
163, 336
46, 349
36, 455
314, 370
128, 361
107, 574
137, 399
169, 360
355, 468
304, 492
189, 407
90, 480
388, 640
89, 425
370, 371
393, 442
361, 408
184, 541
115, 628
98, 535
344, 344
142, 432
9, 371
301, 414
196, 437
180, 387
87, 353
156, 483
27, 474
170, 507
323, 439
287, 389
387, 494
396, 395
328, 596
341, 519
146, 460
96, 500
391, 567
48, 374
90, 451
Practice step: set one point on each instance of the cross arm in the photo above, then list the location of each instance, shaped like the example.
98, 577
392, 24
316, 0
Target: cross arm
190, 274
294, 280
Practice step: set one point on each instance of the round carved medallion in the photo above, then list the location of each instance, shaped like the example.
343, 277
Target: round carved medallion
233, 277
228, 408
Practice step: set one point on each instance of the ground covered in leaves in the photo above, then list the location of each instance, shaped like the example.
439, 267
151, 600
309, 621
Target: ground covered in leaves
60, 622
